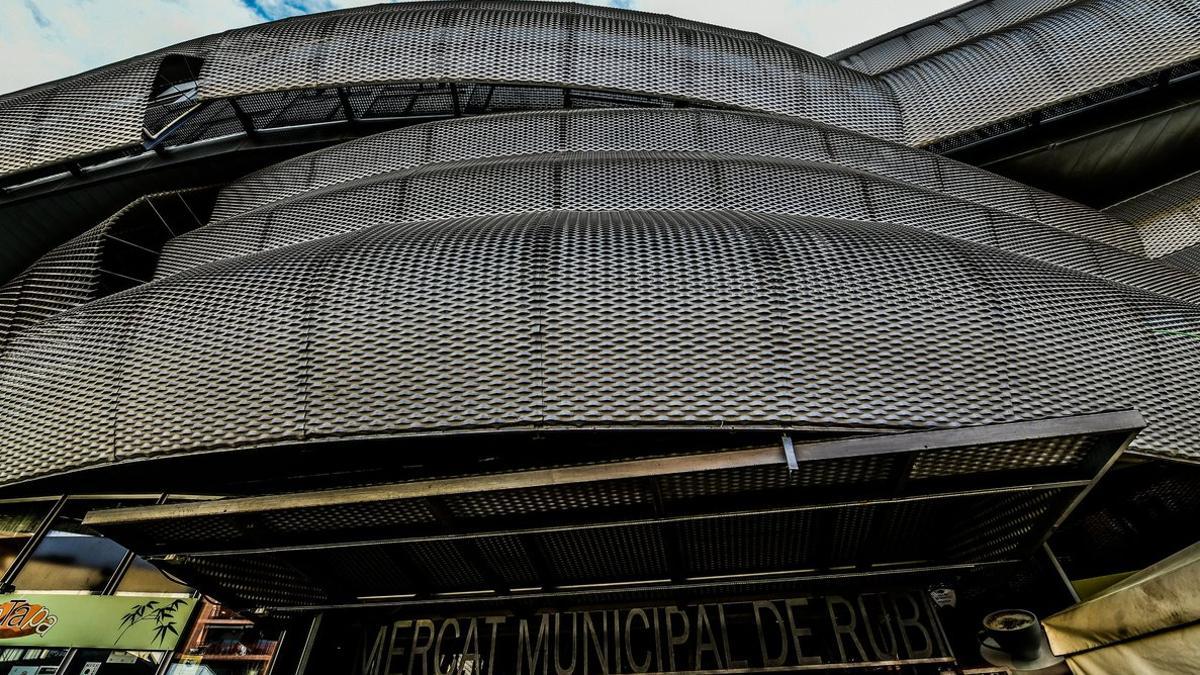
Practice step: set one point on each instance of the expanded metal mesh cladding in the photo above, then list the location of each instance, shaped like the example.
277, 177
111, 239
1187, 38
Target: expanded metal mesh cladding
786, 264
929, 38
989, 63
615, 318
1167, 220
619, 159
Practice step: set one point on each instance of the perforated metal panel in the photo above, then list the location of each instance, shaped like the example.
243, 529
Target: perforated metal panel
65, 277
548, 43
1186, 259
1139, 514
121, 251
665, 131
98, 111
936, 500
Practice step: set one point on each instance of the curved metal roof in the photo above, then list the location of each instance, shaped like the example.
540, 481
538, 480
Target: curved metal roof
683, 269
995, 77
935, 34
638, 130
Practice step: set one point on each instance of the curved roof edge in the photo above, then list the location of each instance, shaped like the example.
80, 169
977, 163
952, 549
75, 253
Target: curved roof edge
907, 28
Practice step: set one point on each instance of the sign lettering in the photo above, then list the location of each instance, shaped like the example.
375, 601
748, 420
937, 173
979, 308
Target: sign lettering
795, 633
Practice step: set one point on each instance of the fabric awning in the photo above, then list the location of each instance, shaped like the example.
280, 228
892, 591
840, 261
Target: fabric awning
1147, 623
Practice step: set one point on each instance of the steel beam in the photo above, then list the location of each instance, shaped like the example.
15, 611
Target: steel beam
915, 441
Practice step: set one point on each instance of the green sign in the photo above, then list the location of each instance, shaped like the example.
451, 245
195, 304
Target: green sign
130, 622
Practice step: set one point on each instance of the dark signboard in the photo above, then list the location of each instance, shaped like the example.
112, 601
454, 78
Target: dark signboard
802, 632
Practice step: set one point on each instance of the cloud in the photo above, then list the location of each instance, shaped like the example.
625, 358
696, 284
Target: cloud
42, 40
819, 26
269, 10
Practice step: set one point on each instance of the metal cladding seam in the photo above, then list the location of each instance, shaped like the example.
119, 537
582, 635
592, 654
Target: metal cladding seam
1025, 67
624, 178
563, 320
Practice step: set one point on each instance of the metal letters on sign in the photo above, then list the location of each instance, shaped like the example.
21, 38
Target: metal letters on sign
789, 634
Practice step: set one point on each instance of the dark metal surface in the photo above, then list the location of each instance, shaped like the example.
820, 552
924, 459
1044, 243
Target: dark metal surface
1100, 148
1041, 61
1141, 513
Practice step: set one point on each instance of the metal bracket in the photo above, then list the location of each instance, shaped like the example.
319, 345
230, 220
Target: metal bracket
789, 451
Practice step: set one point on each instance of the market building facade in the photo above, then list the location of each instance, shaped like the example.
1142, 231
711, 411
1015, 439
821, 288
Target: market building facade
521, 338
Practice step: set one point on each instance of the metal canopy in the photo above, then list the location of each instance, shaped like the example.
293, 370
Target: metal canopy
869, 505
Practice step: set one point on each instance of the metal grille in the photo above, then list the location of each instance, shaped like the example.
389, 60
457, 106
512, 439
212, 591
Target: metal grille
636, 524
120, 252
1187, 259
99, 111
67, 276
611, 318
552, 44
862, 539
1138, 515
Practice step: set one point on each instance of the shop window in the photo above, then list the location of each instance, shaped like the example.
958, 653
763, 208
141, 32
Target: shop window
113, 662
30, 661
70, 558
142, 578
17, 524
224, 643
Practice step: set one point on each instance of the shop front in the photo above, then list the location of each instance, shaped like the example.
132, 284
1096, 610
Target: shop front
746, 559
77, 603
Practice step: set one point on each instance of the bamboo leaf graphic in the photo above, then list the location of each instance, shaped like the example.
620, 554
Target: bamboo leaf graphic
135, 614
161, 632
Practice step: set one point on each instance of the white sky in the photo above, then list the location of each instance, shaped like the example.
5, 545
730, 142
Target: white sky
43, 40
